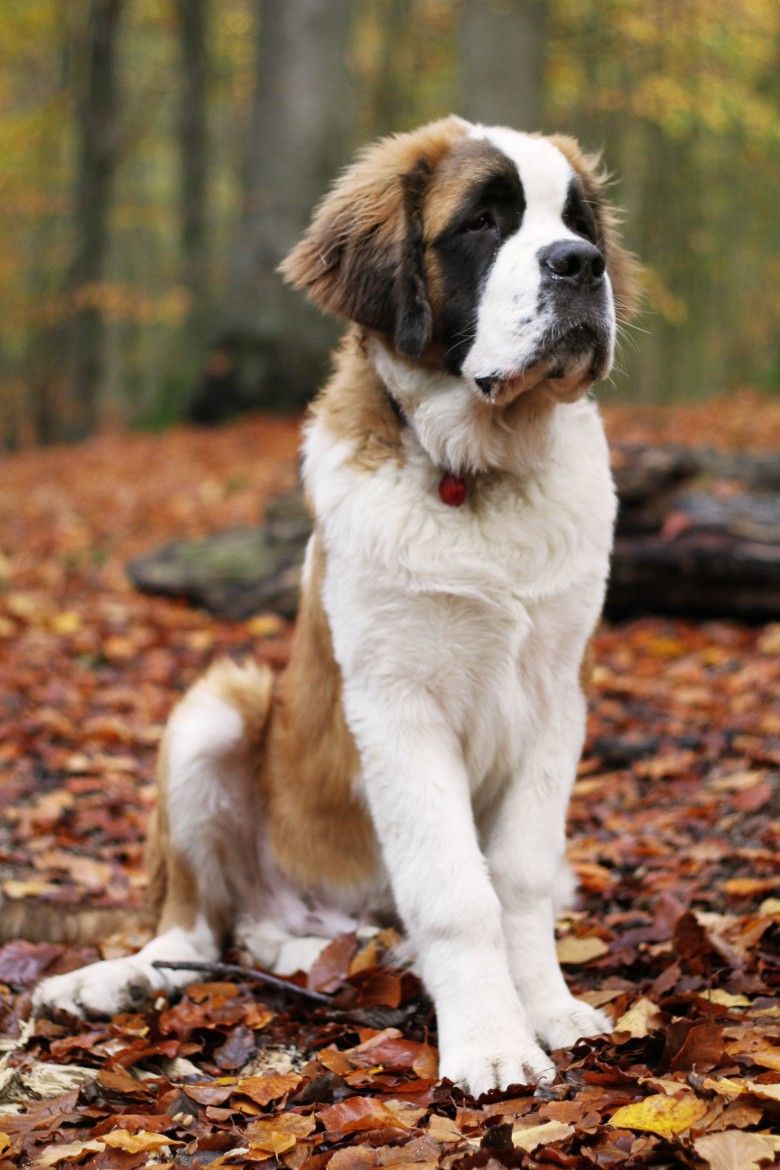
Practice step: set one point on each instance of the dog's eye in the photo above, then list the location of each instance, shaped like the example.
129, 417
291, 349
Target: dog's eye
482, 221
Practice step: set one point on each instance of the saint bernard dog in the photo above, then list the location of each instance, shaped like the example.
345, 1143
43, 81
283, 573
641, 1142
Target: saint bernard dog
414, 761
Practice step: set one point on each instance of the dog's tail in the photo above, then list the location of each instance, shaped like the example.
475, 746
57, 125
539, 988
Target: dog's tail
248, 690
212, 745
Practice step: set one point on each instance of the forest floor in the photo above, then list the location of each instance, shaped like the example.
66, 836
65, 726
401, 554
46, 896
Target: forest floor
676, 933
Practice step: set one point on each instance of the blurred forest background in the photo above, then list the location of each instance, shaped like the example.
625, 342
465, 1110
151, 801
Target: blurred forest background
158, 158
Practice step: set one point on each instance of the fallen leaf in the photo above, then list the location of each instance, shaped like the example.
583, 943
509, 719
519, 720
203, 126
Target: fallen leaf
725, 998
694, 1046
580, 950
265, 625
24, 963
275, 1135
640, 1019
540, 1135
733, 1149
137, 1143
66, 623
27, 889
442, 1129
767, 1092
766, 1058
660, 1114
745, 887
68, 1152
331, 967
357, 1114
237, 1049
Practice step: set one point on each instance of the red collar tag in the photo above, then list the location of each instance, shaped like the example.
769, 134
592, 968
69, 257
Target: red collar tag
453, 490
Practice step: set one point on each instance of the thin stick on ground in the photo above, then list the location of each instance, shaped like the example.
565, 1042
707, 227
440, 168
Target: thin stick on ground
223, 969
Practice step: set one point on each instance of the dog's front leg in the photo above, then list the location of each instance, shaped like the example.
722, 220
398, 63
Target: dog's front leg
526, 852
417, 790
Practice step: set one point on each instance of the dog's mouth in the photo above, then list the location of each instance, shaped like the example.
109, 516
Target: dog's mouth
570, 361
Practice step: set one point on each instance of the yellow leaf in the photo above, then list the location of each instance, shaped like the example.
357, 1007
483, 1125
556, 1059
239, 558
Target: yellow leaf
725, 998
640, 1019
733, 1149
273, 1142
68, 1152
744, 887
540, 1135
580, 950
5, 1142
265, 625
275, 1135
769, 642
660, 1114
66, 623
767, 1058
27, 889
23, 605
725, 1086
137, 1143
769, 907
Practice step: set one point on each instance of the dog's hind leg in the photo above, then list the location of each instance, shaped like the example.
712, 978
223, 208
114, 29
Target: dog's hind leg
202, 852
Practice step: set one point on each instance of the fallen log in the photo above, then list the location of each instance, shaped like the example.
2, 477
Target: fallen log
698, 534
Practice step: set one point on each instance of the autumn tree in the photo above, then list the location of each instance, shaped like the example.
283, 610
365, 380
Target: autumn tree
503, 49
192, 24
98, 152
271, 348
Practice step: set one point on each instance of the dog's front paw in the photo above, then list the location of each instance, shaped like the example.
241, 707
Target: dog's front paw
101, 989
561, 1023
479, 1066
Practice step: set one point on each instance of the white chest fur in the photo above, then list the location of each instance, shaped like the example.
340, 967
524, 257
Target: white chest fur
483, 609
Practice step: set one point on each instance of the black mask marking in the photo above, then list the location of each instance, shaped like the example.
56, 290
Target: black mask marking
491, 211
579, 216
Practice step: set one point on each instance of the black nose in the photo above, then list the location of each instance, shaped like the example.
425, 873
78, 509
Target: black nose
575, 261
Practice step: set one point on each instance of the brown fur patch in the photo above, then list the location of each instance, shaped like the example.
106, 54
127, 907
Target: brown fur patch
348, 260
467, 166
320, 833
623, 267
355, 406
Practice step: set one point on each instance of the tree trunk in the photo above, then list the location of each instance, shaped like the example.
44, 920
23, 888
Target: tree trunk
503, 48
98, 154
192, 18
272, 347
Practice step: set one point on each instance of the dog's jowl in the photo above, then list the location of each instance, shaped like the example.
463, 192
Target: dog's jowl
414, 761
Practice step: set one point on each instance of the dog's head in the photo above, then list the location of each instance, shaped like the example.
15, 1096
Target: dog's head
482, 251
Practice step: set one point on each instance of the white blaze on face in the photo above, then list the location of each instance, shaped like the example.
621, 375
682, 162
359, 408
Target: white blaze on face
510, 324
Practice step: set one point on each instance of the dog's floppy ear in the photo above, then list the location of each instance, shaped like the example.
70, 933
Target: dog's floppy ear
623, 267
363, 256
